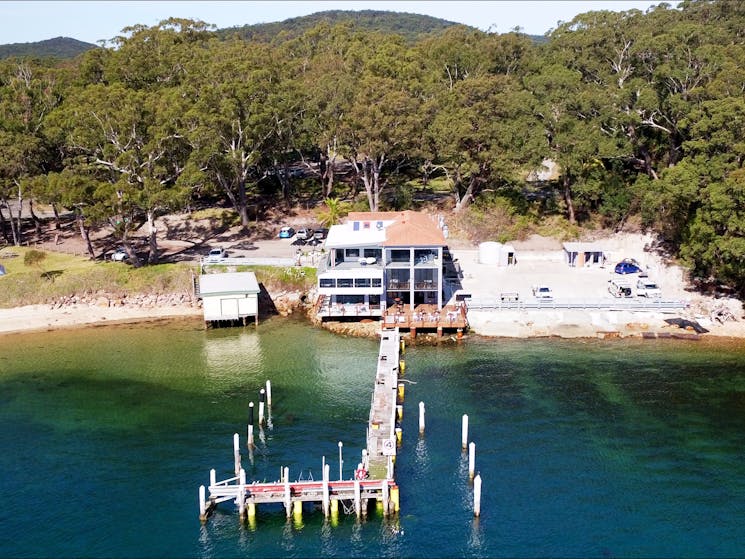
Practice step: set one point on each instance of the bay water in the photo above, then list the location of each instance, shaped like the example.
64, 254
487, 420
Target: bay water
586, 448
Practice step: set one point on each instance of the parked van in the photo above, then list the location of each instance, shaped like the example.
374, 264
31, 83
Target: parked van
619, 288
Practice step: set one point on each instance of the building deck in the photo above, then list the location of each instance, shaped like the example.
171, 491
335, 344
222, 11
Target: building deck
426, 317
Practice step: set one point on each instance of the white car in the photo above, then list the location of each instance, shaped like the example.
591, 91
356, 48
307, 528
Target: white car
215, 255
542, 292
647, 288
119, 255
619, 288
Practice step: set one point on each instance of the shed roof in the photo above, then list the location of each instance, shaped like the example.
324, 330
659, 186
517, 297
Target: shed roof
230, 282
583, 247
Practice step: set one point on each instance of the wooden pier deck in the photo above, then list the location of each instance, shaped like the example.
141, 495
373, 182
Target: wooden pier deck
426, 317
381, 429
378, 460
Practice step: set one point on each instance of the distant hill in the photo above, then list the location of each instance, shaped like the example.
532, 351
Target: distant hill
411, 26
59, 47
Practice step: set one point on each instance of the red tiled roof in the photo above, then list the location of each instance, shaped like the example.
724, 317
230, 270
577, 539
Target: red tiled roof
408, 228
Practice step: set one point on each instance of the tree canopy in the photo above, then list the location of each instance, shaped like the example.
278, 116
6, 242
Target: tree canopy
642, 114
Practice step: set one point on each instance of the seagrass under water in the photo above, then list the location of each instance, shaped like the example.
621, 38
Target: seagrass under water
586, 448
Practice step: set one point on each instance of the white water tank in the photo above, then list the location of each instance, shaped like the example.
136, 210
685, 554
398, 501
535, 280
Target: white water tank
489, 252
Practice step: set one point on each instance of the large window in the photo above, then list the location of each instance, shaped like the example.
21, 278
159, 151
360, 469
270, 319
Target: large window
362, 282
327, 282
351, 253
345, 282
377, 282
425, 279
399, 255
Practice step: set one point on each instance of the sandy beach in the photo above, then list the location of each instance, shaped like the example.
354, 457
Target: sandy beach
33, 318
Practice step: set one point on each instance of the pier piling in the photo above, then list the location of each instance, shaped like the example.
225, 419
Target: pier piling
269, 393
477, 496
421, 418
464, 432
262, 397
250, 441
237, 453
471, 460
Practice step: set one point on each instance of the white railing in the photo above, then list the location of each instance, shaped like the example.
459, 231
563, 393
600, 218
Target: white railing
496, 303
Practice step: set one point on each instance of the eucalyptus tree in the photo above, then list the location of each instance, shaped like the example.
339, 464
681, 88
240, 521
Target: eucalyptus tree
28, 92
231, 122
484, 135
325, 65
381, 126
135, 141
480, 125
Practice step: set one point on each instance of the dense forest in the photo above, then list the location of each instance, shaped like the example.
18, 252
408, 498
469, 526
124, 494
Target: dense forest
643, 114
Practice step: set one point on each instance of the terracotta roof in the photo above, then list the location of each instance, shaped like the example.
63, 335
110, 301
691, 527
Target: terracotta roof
408, 228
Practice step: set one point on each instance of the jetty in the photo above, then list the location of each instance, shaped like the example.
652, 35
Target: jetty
373, 480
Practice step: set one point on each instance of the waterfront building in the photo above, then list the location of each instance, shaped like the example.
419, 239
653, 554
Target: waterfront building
378, 260
229, 297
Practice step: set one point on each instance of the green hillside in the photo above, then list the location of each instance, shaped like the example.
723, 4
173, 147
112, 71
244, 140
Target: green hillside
411, 26
59, 47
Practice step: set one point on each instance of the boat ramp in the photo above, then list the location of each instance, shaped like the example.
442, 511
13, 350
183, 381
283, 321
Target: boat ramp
374, 478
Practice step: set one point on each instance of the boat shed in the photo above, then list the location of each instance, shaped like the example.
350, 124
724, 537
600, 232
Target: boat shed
580, 254
229, 297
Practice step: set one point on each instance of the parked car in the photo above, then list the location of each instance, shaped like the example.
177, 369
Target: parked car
619, 288
320, 233
286, 232
628, 267
542, 292
119, 255
304, 234
647, 288
215, 255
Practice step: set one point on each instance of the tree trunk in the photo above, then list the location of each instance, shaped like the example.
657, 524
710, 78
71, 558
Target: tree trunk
465, 200
57, 222
3, 224
242, 204
567, 187
84, 233
152, 257
35, 218
19, 232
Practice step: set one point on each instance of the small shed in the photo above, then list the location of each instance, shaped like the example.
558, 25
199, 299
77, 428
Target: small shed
580, 254
494, 253
232, 297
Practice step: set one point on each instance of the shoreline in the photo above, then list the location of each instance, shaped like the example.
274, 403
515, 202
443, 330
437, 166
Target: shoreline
482, 324
46, 318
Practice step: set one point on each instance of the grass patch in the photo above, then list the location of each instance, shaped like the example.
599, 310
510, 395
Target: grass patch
64, 275
276, 278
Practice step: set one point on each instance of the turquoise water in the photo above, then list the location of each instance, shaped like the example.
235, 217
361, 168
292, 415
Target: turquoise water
586, 448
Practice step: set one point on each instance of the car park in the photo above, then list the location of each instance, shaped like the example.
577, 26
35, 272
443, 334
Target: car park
216, 255
286, 232
628, 267
119, 255
647, 288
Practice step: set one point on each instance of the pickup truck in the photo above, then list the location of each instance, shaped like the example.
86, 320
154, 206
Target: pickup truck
543, 292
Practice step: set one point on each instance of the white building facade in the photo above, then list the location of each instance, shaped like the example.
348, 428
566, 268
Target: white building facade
379, 259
